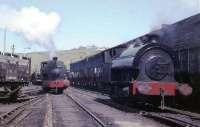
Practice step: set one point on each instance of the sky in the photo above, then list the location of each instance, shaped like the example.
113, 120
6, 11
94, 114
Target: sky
40, 25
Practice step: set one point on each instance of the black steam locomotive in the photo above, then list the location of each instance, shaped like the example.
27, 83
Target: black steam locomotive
184, 38
53, 76
136, 71
14, 74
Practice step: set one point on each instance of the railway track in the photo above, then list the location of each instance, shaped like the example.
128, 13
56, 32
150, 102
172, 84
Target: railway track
169, 115
98, 120
31, 91
175, 116
174, 119
48, 120
67, 111
88, 93
19, 113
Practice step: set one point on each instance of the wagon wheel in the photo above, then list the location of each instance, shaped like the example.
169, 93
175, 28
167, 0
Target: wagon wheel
14, 93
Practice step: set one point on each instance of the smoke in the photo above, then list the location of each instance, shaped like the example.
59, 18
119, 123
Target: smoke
170, 11
36, 26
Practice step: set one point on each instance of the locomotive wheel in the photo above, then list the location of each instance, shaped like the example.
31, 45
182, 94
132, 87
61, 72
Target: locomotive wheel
60, 91
114, 93
45, 90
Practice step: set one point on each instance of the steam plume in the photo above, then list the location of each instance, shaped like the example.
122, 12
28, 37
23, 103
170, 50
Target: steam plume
36, 26
170, 11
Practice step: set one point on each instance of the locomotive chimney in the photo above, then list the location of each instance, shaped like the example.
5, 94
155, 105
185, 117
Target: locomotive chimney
55, 58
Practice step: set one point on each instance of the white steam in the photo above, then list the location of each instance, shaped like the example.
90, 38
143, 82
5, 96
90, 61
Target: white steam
36, 26
170, 11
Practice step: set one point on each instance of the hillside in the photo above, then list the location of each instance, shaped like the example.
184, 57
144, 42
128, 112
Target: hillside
67, 56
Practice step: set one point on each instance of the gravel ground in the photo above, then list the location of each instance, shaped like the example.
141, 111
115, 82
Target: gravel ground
111, 115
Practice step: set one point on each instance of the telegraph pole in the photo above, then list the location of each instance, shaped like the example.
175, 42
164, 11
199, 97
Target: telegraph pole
4, 41
13, 49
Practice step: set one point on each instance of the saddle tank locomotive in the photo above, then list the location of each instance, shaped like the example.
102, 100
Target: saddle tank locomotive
53, 76
138, 71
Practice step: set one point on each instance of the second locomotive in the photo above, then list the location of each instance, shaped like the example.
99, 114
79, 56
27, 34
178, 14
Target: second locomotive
53, 76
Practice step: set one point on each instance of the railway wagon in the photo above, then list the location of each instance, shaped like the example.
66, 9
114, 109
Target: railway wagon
53, 76
93, 72
14, 74
36, 78
141, 71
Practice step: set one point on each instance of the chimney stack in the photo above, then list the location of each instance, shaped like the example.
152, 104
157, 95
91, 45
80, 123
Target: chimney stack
55, 58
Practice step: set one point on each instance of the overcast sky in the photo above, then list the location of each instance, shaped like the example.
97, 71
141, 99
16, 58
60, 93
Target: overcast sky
65, 24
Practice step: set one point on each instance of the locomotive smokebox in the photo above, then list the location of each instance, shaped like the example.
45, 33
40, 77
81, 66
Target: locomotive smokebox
55, 58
